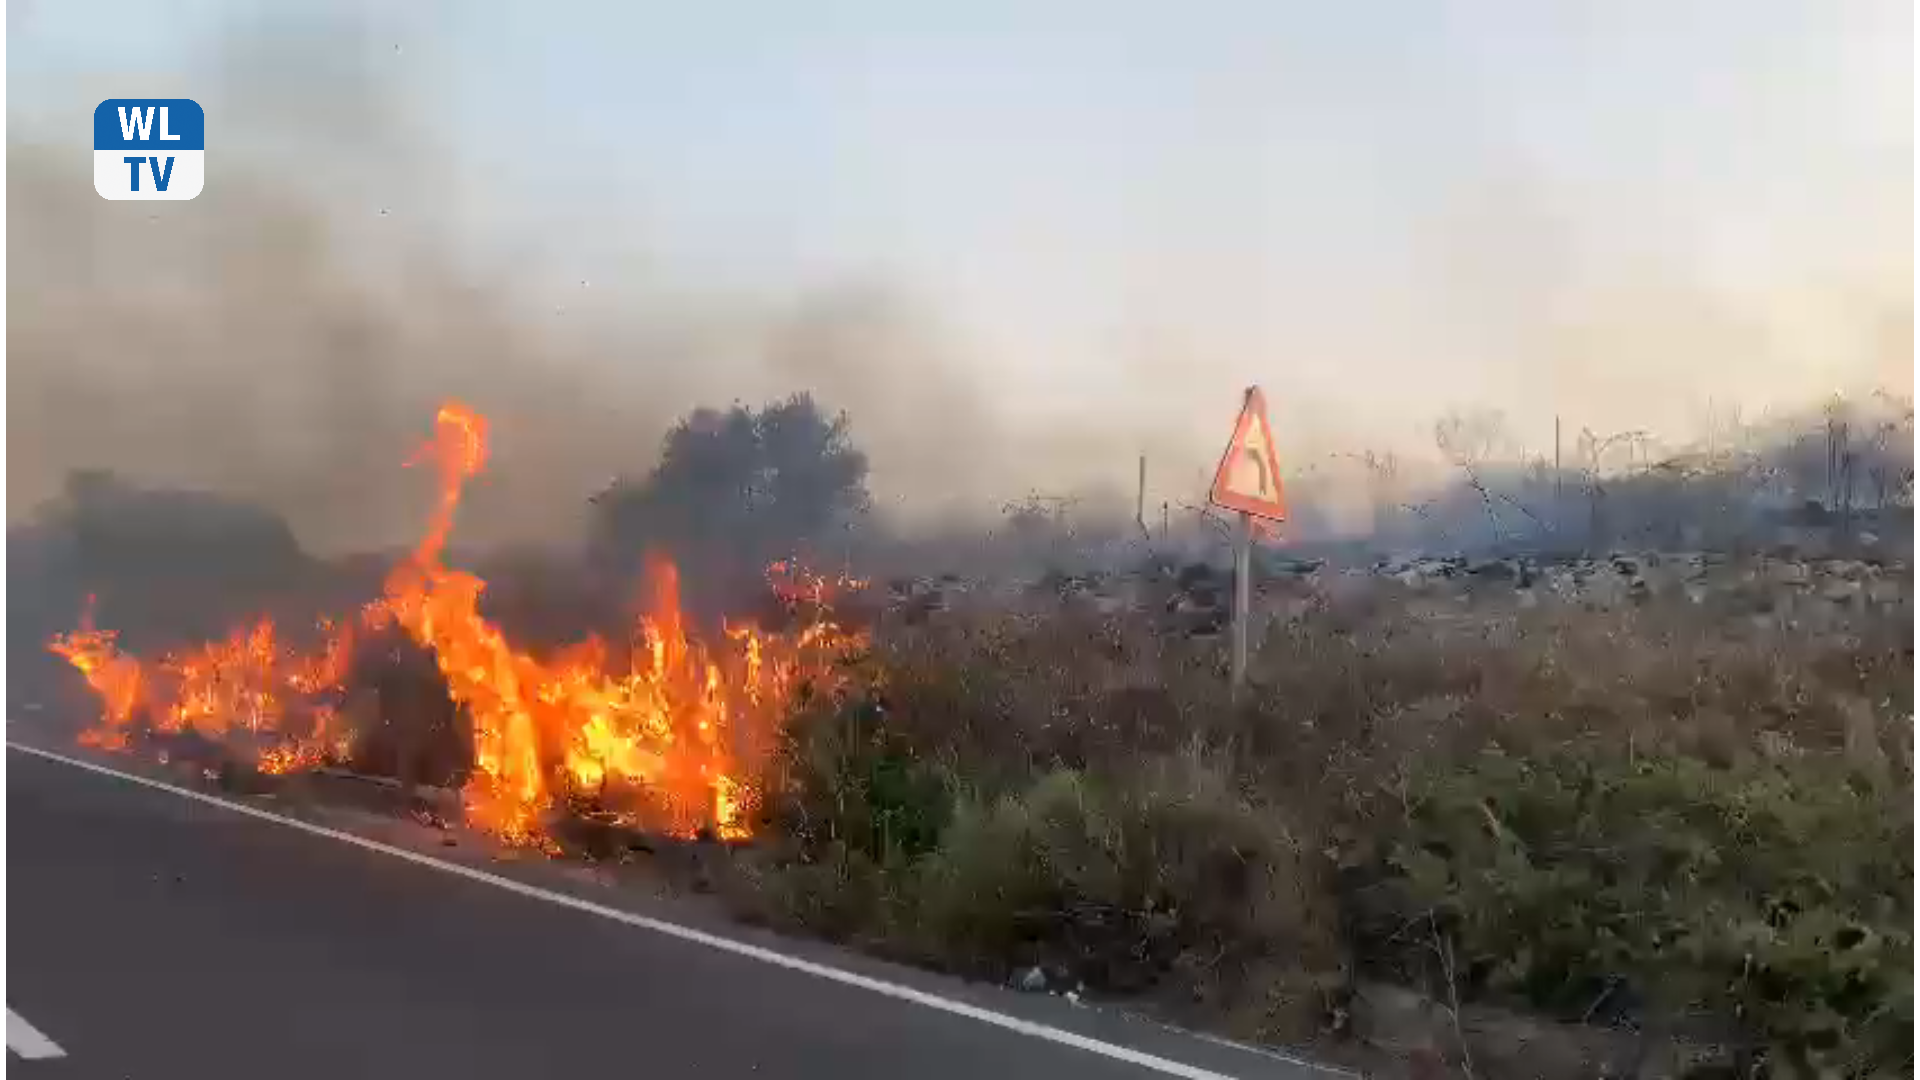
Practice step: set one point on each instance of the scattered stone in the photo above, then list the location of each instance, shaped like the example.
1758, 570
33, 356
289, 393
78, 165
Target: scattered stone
1495, 570
1195, 599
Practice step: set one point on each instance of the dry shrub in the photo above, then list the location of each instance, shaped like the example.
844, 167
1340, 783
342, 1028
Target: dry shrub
1659, 815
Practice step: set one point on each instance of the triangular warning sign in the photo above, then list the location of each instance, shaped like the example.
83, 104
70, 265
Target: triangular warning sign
1248, 478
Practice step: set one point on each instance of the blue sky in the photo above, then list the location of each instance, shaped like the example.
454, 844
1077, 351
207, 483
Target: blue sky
1379, 210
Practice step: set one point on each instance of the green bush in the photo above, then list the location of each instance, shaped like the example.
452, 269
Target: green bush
1119, 880
1773, 895
849, 782
1161, 875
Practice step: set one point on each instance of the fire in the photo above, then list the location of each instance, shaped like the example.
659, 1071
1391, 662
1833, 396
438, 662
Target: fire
112, 674
667, 733
670, 729
250, 691
253, 683
797, 585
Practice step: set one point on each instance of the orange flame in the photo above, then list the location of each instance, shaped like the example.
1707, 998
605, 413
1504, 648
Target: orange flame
248, 688
795, 584
673, 728
112, 674
668, 736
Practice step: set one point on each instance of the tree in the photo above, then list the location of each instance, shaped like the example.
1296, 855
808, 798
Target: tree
1470, 441
166, 565
1593, 451
734, 491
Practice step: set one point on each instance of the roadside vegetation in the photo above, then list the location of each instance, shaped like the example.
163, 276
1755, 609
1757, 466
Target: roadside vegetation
1688, 831
1492, 833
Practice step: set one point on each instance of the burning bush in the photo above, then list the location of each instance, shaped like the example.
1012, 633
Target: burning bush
667, 732
281, 705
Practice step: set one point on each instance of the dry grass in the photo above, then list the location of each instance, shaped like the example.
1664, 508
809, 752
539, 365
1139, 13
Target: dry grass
1666, 817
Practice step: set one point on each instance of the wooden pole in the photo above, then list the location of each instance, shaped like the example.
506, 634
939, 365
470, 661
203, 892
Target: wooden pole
1140, 497
1140, 502
1242, 602
1556, 469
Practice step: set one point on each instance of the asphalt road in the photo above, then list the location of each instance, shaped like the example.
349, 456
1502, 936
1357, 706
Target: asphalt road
155, 935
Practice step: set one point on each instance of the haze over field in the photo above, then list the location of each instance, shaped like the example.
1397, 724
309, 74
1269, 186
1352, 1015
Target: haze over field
1018, 247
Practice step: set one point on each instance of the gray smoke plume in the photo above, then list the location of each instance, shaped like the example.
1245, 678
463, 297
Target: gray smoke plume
286, 337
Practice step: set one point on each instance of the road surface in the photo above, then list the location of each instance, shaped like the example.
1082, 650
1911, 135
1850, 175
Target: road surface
160, 933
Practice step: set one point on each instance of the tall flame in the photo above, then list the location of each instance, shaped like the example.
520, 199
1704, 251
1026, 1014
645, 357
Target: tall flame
669, 735
115, 676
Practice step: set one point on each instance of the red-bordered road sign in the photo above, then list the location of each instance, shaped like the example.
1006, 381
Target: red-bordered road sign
1248, 479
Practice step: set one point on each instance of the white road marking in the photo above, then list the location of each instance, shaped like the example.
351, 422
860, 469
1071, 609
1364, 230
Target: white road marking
25, 1039
1032, 1029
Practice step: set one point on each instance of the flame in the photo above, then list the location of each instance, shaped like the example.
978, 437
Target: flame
670, 729
112, 674
795, 584
249, 690
667, 736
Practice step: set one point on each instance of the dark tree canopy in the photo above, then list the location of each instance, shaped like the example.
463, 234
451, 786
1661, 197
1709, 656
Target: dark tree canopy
735, 490
116, 527
166, 566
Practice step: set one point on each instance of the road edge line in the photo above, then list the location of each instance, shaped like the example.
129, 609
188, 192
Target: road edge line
29, 1041
897, 991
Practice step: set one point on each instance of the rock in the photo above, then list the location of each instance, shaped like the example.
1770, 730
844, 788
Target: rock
1885, 592
1840, 592
1494, 570
1294, 567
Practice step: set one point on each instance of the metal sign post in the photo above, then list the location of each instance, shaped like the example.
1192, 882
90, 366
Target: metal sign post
1248, 480
1242, 601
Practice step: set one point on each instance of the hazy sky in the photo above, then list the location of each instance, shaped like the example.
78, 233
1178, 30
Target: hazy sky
1119, 213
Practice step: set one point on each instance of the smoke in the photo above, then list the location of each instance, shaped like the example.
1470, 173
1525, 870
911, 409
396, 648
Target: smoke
286, 337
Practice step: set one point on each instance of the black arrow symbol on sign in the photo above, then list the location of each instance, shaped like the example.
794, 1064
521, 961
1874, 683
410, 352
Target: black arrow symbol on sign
1259, 466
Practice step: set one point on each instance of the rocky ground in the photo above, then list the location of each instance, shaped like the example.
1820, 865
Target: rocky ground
1196, 598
